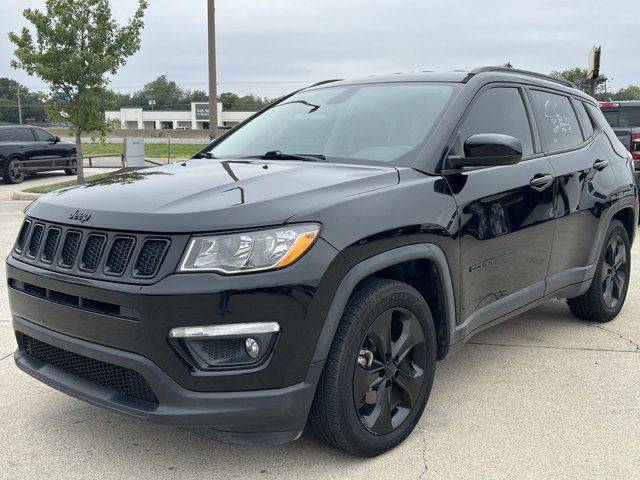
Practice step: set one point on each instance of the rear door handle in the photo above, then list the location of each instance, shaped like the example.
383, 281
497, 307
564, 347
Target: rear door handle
541, 181
600, 165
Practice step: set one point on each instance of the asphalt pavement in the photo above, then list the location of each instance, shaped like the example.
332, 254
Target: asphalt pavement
543, 395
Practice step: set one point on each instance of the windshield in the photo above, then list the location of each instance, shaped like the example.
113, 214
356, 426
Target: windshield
367, 123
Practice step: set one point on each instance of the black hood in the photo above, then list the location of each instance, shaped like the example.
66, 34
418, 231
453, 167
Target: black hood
209, 195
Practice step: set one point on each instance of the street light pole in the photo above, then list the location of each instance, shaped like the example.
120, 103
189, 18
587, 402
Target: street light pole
19, 105
213, 90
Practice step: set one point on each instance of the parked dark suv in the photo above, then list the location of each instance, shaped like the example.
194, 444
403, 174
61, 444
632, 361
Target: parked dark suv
25, 150
312, 264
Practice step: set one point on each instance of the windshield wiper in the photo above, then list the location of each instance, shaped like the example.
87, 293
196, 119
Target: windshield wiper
204, 155
278, 155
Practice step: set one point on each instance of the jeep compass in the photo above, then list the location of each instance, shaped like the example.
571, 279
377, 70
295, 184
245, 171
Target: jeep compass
313, 264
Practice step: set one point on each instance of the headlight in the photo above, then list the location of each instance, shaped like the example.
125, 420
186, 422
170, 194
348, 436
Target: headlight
249, 251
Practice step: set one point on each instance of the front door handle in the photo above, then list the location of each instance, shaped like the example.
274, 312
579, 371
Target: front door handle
600, 165
541, 181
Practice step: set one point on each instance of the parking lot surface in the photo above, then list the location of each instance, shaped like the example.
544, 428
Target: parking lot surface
543, 395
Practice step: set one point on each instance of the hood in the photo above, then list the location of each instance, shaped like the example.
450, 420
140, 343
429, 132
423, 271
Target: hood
209, 195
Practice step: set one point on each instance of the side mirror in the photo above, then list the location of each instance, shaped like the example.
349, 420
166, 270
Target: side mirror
488, 150
56, 140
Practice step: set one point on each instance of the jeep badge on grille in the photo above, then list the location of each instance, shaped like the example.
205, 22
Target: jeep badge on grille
80, 216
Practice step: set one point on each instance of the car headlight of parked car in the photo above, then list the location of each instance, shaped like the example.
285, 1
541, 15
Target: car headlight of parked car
249, 251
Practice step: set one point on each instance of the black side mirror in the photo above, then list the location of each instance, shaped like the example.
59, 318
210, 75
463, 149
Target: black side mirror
56, 140
488, 150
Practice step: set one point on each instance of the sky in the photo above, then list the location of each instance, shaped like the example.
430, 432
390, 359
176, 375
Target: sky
271, 47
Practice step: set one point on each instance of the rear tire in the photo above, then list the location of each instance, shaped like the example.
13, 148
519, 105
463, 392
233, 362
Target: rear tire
13, 172
608, 291
73, 165
348, 411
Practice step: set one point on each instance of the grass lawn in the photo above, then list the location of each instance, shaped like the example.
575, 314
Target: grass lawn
68, 183
151, 150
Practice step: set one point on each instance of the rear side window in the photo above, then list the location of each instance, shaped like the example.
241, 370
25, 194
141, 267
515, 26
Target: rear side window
42, 136
499, 110
585, 119
5, 135
557, 121
23, 135
629, 117
597, 115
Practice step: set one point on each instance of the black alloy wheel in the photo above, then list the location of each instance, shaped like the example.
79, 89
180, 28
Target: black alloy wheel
613, 274
389, 371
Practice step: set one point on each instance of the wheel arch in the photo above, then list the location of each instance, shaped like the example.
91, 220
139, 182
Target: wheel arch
399, 264
627, 217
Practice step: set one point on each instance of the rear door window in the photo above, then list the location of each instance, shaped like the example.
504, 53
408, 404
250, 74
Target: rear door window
23, 135
499, 110
587, 124
598, 116
6, 135
557, 121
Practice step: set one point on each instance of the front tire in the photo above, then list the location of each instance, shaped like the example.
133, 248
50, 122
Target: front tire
379, 371
608, 291
13, 172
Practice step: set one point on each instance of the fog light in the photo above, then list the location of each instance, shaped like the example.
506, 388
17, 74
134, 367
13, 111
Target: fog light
252, 347
225, 346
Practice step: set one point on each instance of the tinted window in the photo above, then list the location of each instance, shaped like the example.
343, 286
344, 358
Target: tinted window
42, 136
556, 119
23, 135
5, 135
585, 119
499, 110
611, 116
597, 115
629, 117
384, 122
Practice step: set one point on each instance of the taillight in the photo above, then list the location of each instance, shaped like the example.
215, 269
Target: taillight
608, 104
635, 146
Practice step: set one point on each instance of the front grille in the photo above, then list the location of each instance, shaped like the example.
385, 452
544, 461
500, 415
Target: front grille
70, 249
92, 252
119, 255
151, 255
22, 237
50, 245
125, 381
36, 238
98, 254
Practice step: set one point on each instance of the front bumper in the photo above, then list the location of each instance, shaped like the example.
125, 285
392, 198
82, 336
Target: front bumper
269, 415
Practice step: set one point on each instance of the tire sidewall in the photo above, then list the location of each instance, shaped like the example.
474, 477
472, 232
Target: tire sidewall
614, 228
7, 175
396, 296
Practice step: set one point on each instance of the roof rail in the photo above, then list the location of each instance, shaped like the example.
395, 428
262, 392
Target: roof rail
542, 76
325, 81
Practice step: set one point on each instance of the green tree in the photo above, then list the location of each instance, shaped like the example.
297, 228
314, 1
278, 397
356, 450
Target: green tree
77, 44
578, 76
166, 94
32, 106
632, 92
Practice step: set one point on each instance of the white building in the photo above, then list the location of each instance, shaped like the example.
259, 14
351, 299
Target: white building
195, 119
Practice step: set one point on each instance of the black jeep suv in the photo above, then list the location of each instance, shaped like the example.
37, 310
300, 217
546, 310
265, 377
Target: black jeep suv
314, 263
25, 150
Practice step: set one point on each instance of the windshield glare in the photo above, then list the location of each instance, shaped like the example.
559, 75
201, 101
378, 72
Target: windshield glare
384, 122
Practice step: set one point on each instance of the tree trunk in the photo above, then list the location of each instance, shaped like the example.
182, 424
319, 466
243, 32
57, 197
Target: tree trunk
79, 157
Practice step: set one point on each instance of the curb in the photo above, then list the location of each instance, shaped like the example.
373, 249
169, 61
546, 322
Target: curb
26, 196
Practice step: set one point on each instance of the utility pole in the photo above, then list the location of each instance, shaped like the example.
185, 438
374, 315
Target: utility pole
213, 90
19, 105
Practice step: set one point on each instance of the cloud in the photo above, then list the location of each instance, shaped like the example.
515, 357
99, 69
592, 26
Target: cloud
304, 40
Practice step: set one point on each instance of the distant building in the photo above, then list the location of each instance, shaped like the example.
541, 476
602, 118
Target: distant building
195, 119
